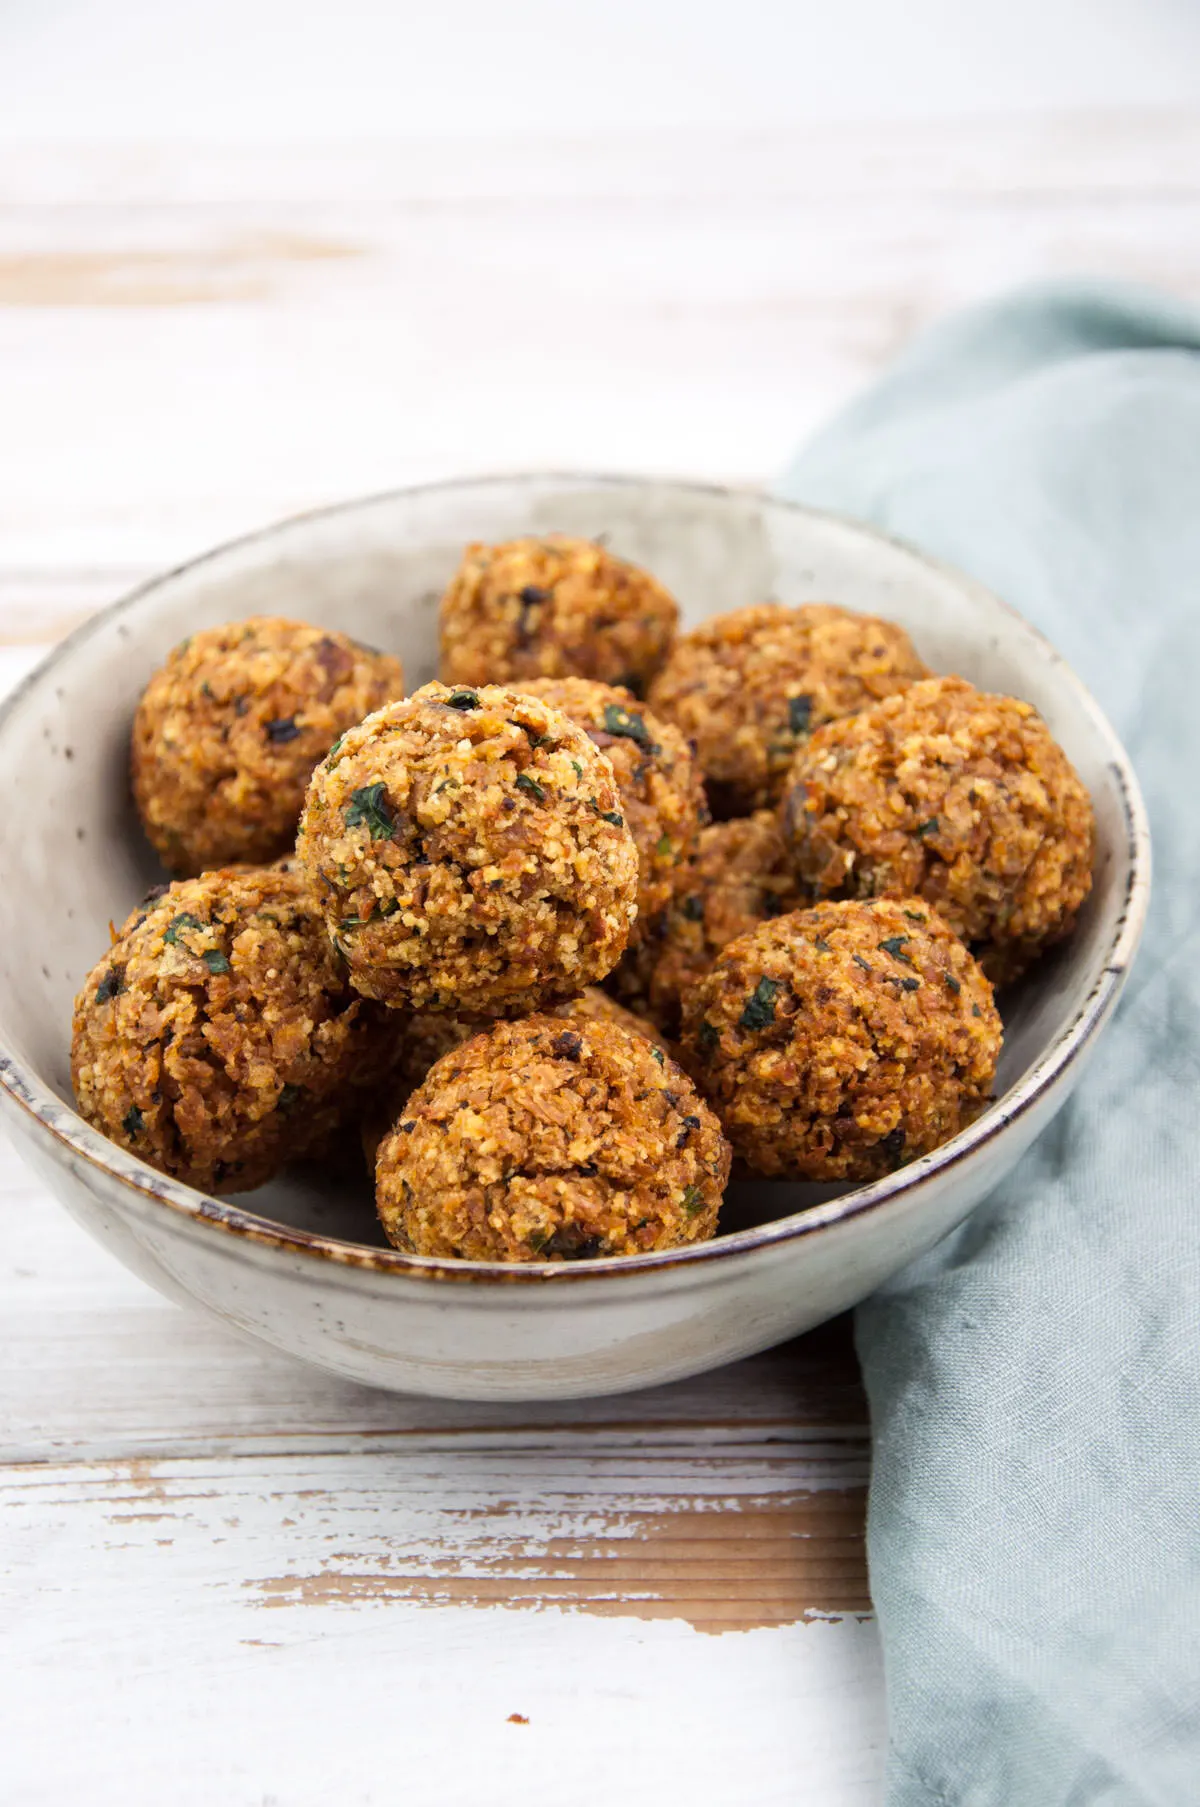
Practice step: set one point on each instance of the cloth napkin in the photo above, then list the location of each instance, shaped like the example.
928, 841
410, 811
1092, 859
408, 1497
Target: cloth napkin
1034, 1382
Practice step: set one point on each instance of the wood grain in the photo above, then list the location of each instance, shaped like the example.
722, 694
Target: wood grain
722, 1539
344, 318
718, 1567
238, 269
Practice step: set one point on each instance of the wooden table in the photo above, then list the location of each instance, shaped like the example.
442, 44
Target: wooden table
234, 1580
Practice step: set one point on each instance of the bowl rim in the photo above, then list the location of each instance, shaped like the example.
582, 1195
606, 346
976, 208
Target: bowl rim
24, 1087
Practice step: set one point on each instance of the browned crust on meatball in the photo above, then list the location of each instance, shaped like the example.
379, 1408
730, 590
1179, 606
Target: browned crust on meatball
228, 731
471, 853
219, 1037
553, 607
739, 876
426, 1038
961, 797
662, 795
552, 1140
841, 1041
748, 687
598, 1007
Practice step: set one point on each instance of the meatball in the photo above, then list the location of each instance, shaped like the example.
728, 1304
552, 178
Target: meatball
662, 797
228, 731
740, 876
471, 854
841, 1041
426, 1038
960, 797
553, 607
552, 1140
747, 688
219, 1038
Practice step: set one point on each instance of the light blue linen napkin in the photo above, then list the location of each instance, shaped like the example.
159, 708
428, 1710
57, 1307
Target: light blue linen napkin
1034, 1527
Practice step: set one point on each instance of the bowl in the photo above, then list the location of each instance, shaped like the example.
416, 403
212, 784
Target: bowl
301, 1264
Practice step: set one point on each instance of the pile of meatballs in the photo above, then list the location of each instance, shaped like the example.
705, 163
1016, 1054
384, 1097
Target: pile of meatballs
560, 936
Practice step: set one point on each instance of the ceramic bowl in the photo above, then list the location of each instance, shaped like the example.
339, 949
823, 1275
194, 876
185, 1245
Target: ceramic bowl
301, 1264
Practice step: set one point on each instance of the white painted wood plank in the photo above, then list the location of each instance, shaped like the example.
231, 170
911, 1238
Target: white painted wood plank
1035, 152
246, 1632
264, 68
196, 342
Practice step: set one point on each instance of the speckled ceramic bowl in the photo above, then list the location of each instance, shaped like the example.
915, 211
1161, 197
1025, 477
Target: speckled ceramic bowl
301, 1264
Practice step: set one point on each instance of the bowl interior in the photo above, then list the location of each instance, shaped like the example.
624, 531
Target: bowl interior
74, 857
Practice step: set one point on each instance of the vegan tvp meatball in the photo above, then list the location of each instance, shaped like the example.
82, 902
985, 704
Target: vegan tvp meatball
228, 731
219, 1038
749, 687
471, 854
839, 1042
960, 796
552, 1140
662, 796
553, 607
739, 876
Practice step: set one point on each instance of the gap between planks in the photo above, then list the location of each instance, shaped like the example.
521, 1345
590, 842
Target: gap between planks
831, 1443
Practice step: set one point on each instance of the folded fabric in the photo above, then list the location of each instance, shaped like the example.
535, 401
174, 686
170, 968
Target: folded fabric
1034, 1526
